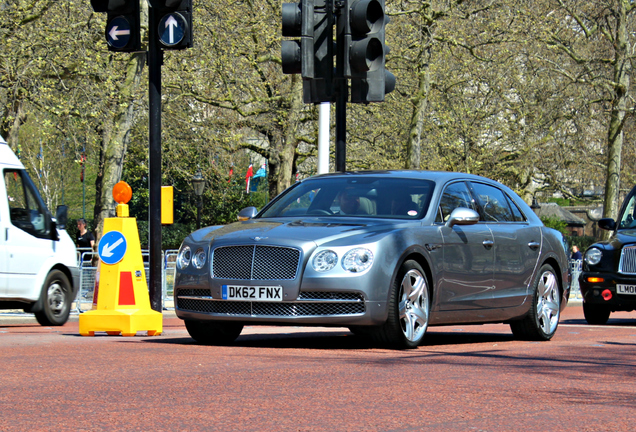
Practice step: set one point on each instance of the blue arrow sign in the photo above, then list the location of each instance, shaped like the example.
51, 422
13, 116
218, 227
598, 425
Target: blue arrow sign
112, 247
172, 29
118, 32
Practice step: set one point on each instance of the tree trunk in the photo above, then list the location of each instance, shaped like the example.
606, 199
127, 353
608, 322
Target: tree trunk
115, 134
420, 102
615, 133
281, 160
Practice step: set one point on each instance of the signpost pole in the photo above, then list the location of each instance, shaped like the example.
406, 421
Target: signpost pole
155, 59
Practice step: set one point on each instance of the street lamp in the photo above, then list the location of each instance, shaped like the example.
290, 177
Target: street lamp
198, 183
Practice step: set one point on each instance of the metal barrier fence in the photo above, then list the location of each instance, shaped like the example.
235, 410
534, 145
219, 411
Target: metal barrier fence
575, 269
87, 262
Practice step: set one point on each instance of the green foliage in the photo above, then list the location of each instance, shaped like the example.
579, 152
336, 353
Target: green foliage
555, 223
583, 242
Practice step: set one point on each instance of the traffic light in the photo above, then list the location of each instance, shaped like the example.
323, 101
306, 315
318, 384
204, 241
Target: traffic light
297, 55
172, 20
312, 55
122, 24
365, 50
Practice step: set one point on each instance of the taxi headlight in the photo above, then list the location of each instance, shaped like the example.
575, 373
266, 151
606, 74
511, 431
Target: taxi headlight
198, 260
593, 256
325, 261
183, 259
357, 260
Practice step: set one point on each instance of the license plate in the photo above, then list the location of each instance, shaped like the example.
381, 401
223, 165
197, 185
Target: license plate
253, 293
626, 289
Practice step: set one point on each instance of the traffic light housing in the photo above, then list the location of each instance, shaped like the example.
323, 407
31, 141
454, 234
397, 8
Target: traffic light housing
312, 55
171, 23
122, 24
365, 50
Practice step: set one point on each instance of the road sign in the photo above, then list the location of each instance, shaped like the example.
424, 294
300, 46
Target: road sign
172, 29
112, 247
118, 32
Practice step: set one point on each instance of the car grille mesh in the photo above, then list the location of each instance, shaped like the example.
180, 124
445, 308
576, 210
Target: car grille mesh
313, 304
627, 264
255, 262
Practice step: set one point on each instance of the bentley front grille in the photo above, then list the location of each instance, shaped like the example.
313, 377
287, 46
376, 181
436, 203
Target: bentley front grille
627, 264
255, 262
309, 305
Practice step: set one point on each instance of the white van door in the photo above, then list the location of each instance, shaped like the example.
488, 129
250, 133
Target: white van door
27, 236
4, 266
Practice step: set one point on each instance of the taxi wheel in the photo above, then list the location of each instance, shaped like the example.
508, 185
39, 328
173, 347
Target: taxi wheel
596, 314
543, 318
409, 309
56, 300
213, 333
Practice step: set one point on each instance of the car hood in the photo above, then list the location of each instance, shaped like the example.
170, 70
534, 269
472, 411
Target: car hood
623, 237
294, 232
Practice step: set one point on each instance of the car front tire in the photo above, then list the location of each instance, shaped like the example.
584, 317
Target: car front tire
543, 319
213, 333
409, 309
56, 300
596, 314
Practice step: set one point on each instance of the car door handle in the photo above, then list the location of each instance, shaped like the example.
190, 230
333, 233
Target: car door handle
488, 244
534, 245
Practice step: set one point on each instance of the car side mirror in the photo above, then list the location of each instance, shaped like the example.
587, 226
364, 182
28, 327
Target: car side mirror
247, 213
607, 224
61, 216
462, 216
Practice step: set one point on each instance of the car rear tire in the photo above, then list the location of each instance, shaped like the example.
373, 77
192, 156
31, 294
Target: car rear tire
543, 319
213, 333
409, 309
56, 300
596, 314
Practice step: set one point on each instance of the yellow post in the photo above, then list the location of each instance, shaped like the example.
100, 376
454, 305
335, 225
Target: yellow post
122, 304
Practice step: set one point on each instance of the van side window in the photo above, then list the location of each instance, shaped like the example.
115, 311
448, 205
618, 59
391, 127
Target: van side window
24, 208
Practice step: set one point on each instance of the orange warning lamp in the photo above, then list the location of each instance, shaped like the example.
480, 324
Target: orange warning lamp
122, 192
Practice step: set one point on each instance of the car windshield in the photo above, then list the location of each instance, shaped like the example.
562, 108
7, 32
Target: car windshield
355, 197
629, 215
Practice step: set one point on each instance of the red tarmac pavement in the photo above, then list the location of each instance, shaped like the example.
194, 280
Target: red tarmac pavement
465, 378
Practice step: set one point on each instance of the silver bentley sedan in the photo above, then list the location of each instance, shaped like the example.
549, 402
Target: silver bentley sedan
384, 253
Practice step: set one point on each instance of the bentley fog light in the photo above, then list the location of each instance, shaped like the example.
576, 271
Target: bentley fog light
357, 260
593, 256
183, 259
325, 261
198, 260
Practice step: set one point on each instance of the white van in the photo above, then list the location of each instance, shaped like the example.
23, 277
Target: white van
38, 259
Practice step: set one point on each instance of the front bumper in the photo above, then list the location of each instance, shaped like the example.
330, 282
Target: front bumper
310, 308
604, 292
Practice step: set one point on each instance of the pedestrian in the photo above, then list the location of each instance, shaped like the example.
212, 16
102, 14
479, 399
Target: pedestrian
576, 254
85, 239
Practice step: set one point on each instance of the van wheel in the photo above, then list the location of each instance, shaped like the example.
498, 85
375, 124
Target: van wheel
56, 300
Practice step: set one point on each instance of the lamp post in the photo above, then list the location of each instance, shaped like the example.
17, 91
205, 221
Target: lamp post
198, 183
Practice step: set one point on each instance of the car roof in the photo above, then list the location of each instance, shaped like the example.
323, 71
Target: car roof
437, 176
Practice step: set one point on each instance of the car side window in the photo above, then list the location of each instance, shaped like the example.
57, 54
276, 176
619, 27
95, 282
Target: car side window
24, 209
627, 219
516, 213
455, 195
494, 203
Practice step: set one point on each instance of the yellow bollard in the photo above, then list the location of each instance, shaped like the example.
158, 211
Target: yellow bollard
121, 304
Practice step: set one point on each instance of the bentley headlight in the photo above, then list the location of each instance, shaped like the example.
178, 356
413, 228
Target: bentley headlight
593, 256
198, 260
357, 260
183, 259
325, 261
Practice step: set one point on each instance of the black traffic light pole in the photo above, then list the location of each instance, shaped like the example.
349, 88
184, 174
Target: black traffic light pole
342, 91
155, 59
